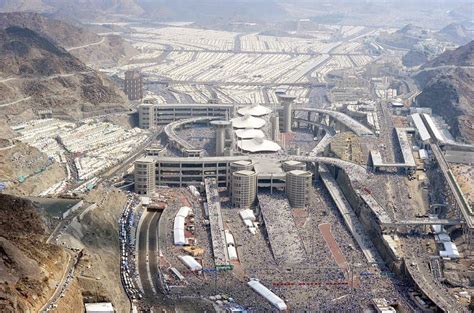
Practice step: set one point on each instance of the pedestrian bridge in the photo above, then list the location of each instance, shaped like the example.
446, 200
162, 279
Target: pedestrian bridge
423, 222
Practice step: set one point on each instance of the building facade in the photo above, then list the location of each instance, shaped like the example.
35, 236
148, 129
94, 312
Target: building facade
244, 188
298, 184
145, 176
133, 85
150, 115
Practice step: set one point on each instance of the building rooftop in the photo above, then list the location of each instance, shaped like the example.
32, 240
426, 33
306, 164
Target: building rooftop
420, 126
146, 159
405, 146
299, 173
99, 307
243, 162
132, 74
244, 173
292, 162
434, 129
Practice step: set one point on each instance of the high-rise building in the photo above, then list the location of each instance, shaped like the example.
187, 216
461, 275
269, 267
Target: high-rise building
145, 177
244, 188
298, 184
133, 85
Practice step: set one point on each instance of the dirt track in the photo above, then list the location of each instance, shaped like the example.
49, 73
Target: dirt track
336, 252
332, 244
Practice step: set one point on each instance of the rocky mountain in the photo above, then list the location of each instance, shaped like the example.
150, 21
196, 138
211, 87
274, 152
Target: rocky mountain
36, 74
447, 84
72, 6
199, 11
77, 39
456, 33
462, 56
212, 11
405, 38
29, 267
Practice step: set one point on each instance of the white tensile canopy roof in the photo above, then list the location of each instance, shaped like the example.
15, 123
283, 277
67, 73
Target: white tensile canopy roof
254, 110
249, 133
248, 121
258, 145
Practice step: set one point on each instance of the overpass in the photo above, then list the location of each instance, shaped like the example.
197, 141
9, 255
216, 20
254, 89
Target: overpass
461, 203
338, 117
184, 146
423, 222
350, 218
426, 283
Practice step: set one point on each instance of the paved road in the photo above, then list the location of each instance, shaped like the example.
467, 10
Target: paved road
149, 250
153, 251
101, 41
142, 256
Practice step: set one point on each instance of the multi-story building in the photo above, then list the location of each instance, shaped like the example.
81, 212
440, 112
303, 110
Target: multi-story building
133, 85
244, 188
298, 184
145, 177
150, 115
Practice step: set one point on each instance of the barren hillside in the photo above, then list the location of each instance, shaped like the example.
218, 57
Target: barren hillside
26, 170
89, 47
447, 85
29, 268
36, 74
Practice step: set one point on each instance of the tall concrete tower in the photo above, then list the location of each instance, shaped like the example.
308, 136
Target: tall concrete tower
220, 127
298, 184
244, 189
275, 122
287, 103
144, 176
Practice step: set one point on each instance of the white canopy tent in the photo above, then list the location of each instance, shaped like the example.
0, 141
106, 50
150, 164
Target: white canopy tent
247, 121
267, 294
254, 110
249, 133
258, 145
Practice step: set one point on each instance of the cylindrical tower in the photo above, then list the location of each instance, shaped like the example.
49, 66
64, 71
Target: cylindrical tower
287, 103
144, 176
244, 189
220, 127
238, 166
298, 184
275, 121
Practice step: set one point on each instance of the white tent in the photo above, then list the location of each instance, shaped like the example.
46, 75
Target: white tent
232, 253
267, 294
247, 214
178, 231
183, 211
450, 250
229, 238
191, 263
